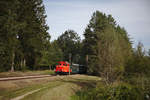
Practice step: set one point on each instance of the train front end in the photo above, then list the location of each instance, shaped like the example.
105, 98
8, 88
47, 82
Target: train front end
62, 68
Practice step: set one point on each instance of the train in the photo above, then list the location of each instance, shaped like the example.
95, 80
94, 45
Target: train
63, 67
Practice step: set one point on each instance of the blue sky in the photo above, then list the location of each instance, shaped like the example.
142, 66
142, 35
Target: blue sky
133, 15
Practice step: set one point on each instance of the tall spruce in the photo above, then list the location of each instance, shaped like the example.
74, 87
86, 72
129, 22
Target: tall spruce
23, 33
33, 36
9, 27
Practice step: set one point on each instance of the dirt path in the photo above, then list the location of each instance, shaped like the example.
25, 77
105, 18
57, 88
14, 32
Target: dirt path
52, 94
64, 91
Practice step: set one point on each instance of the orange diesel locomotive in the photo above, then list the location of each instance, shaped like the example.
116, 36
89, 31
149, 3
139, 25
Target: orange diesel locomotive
63, 68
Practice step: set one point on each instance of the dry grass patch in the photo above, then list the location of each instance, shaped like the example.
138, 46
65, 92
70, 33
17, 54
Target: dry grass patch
26, 73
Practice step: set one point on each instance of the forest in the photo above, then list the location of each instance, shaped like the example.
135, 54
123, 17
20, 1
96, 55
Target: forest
106, 50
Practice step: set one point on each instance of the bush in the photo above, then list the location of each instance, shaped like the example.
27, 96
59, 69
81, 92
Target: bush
118, 91
124, 91
142, 81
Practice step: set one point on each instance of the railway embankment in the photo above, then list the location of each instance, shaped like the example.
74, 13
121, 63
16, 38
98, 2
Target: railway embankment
46, 88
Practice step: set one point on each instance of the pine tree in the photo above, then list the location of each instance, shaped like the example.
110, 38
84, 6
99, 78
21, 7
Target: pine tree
9, 31
33, 36
23, 33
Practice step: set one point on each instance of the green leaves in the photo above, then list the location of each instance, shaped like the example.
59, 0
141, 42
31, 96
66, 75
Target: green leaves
23, 31
108, 44
51, 55
69, 42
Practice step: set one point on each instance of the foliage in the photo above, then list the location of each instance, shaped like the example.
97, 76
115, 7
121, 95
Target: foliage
23, 33
107, 46
51, 55
69, 42
140, 62
140, 81
106, 50
8, 32
118, 91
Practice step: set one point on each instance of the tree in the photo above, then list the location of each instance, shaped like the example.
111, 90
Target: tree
23, 33
149, 52
139, 65
103, 45
9, 31
33, 35
51, 55
69, 42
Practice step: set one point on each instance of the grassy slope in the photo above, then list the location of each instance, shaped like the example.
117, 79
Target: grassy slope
52, 88
64, 91
10, 89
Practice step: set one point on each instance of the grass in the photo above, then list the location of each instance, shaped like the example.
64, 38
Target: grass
10, 89
52, 88
137, 88
26, 73
7, 95
64, 91
71, 84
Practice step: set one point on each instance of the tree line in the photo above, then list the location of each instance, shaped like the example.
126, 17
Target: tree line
23, 34
111, 55
106, 49
125, 71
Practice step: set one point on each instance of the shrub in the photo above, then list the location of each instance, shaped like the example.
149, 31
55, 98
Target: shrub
117, 91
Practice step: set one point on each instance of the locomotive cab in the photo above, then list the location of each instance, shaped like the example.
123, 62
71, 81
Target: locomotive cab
62, 68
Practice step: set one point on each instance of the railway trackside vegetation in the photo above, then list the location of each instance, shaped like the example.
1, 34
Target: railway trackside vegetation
125, 71
55, 87
106, 51
26, 73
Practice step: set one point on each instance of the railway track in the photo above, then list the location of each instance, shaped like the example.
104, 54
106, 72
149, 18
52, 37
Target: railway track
24, 77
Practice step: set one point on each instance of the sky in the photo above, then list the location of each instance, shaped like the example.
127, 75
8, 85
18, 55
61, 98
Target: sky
133, 15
